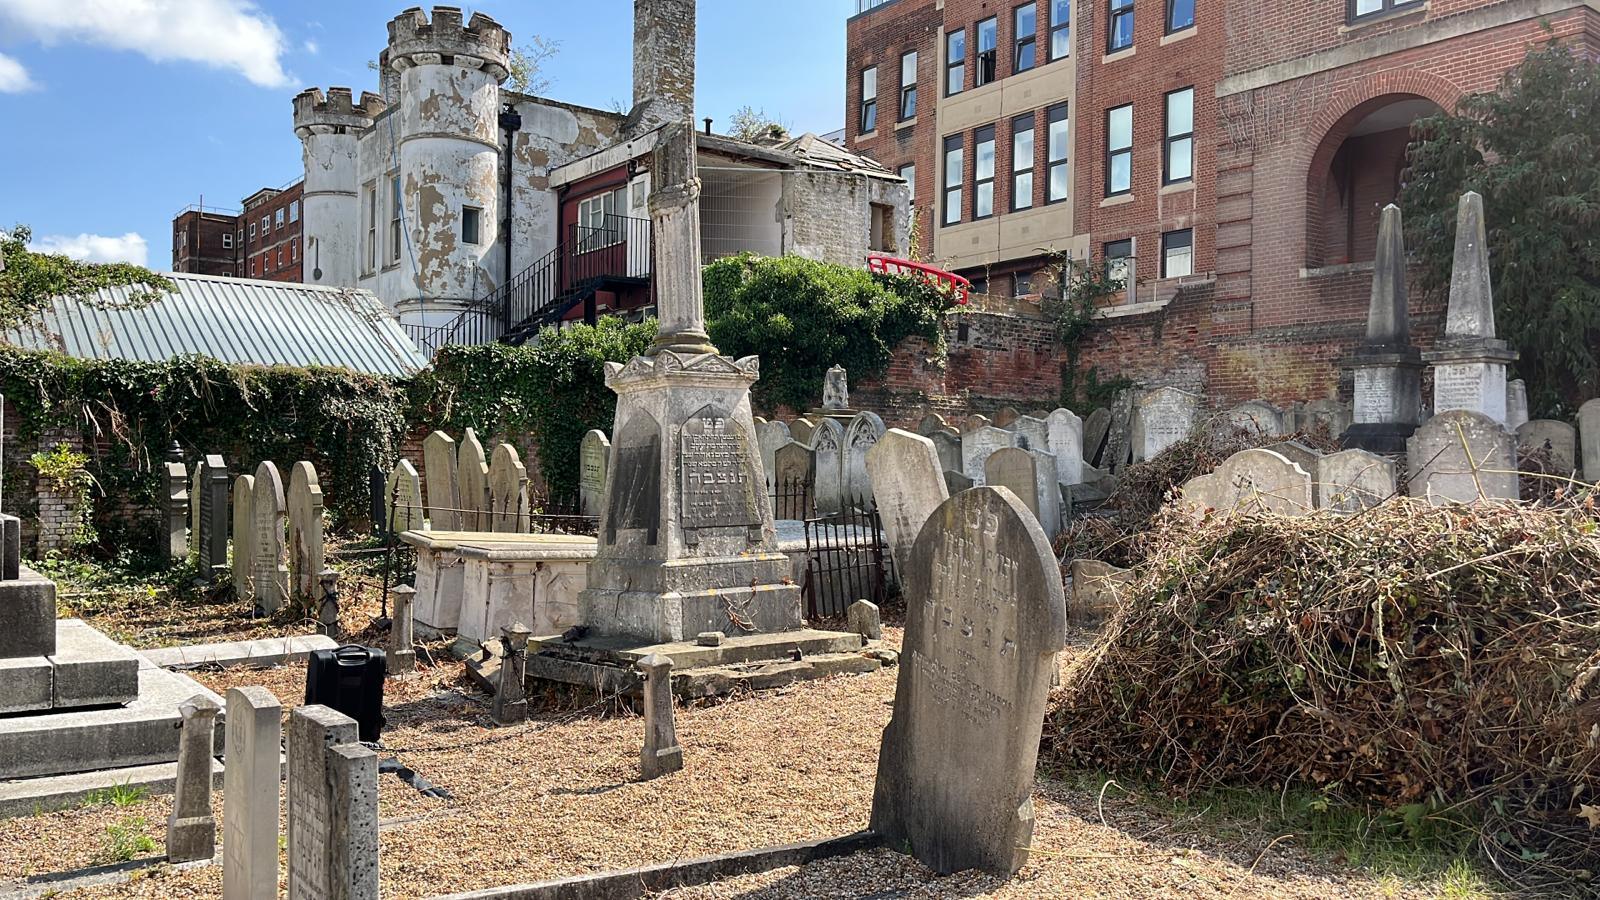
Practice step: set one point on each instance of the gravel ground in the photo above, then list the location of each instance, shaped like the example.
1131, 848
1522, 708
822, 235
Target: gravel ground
558, 796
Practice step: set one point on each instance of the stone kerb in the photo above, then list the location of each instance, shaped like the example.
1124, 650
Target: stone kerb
909, 485
956, 769
1462, 456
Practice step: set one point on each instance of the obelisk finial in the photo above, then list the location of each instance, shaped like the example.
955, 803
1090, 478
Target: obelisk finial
1388, 319
1471, 313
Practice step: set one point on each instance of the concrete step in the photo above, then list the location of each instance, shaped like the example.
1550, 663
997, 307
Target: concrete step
25, 684
27, 796
91, 669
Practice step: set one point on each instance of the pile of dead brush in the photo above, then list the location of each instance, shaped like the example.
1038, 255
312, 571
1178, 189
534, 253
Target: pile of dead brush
1418, 658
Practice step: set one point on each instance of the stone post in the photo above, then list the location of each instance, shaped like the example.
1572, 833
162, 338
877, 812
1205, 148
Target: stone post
662, 755
328, 606
402, 656
177, 508
191, 829
353, 820
250, 785
510, 702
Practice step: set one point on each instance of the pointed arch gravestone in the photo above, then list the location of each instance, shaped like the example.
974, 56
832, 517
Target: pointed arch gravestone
1461, 456
908, 483
472, 487
439, 467
244, 494
270, 515
305, 530
865, 430
976, 664
827, 440
508, 492
403, 493
594, 471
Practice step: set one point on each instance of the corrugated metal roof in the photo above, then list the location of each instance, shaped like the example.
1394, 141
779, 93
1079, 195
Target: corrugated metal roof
235, 320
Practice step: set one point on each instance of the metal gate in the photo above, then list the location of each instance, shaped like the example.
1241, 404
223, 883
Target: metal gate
846, 560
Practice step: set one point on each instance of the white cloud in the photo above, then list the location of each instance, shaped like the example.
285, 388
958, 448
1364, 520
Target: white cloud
225, 34
130, 247
13, 77
311, 47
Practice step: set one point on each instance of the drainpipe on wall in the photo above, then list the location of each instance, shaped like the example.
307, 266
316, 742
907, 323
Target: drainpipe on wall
511, 122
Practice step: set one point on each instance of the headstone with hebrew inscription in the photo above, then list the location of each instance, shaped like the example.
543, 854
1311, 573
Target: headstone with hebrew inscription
305, 530
439, 467
1462, 456
827, 440
986, 619
719, 490
594, 469
908, 483
974, 422
472, 488
1066, 442
1167, 415
403, 496
270, 512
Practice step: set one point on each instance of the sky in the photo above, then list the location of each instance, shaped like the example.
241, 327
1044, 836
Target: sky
116, 114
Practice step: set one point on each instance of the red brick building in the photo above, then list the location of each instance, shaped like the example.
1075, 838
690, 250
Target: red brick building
1236, 155
272, 226
204, 241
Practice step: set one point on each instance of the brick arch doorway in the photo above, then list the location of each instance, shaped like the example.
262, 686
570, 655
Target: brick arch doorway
1354, 173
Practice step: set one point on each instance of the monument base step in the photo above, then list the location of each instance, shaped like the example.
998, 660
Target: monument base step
1388, 439
27, 796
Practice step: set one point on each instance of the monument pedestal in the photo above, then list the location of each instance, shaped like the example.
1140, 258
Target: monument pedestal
1471, 375
1388, 400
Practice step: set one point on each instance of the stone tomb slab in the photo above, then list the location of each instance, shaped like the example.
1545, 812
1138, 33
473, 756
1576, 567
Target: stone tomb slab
441, 576
535, 583
25, 685
28, 611
91, 669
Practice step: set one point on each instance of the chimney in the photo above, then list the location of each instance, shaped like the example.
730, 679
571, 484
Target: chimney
663, 60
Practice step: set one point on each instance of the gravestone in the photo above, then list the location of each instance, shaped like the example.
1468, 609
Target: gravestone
801, 429
1353, 480
827, 440
931, 423
403, 493
987, 618
661, 754
864, 618
1066, 442
305, 530
976, 446
508, 492
974, 422
191, 829
836, 389
244, 519
196, 491
1329, 416
251, 779
1461, 456
771, 436
332, 808
1256, 417
594, 470
439, 467
1516, 404
909, 484
177, 513
472, 490
795, 472
1255, 481
1032, 433
1167, 415
1095, 430
1386, 368
1559, 438
1119, 437
401, 658
1006, 417
212, 517
948, 447
864, 432
1589, 431
1031, 475
270, 514
1469, 362
955, 482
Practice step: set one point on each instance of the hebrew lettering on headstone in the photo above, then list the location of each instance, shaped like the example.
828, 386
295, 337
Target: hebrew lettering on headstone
594, 470
305, 530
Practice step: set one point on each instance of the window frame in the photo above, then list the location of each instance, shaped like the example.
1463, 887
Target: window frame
1113, 152
1060, 113
1188, 236
1172, 6
1020, 41
1024, 124
396, 219
277, 218
294, 211
369, 213
227, 240
1057, 27
1131, 273
1385, 7
252, 230
993, 54
908, 91
1168, 139
911, 180
869, 101
957, 144
978, 140
952, 64
1115, 14
475, 215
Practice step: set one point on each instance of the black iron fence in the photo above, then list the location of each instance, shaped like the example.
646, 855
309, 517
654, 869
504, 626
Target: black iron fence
846, 560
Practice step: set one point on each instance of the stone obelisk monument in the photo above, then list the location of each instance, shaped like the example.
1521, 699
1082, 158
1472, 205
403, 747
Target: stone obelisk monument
687, 543
1469, 362
1387, 368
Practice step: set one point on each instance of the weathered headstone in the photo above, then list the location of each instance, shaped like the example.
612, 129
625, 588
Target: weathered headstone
1328, 416
1558, 438
1516, 404
864, 618
794, 468
661, 754
401, 657
305, 530
930, 423
1353, 480
510, 699
1461, 456
1095, 430
956, 482
1253, 481
800, 429
244, 520
594, 471
1386, 368
212, 517
948, 447
1589, 431
403, 495
1096, 591
974, 422
836, 389
1030, 474
250, 788
472, 468
956, 769
178, 496
1167, 415
1119, 437
333, 808
196, 491
719, 490
1006, 417
909, 486
1256, 417
1469, 362
1032, 433
1066, 442
771, 436
191, 829
828, 442
976, 447
508, 492
270, 511
863, 434
439, 467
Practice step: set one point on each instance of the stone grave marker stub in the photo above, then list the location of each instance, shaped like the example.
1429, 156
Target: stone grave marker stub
439, 465
270, 512
975, 671
909, 486
1006, 417
1589, 431
244, 492
594, 469
191, 828
836, 389
472, 491
718, 490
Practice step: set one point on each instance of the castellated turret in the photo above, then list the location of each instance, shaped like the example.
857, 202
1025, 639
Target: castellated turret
329, 128
447, 142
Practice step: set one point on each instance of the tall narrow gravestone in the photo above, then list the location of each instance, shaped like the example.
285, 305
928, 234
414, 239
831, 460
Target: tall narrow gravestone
472, 468
403, 495
795, 473
179, 534
1066, 442
827, 440
212, 517
270, 516
909, 486
594, 470
244, 493
439, 466
508, 492
305, 530
1469, 362
250, 795
771, 436
1387, 368
864, 432
955, 773
1589, 434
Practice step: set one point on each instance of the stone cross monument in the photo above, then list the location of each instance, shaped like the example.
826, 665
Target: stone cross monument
1469, 362
686, 543
1388, 369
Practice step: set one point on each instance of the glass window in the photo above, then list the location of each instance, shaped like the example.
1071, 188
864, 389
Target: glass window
1021, 284
294, 211
227, 240
909, 173
598, 225
1022, 163
252, 231
1060, 29
988, 51
1180, 15
1360, 9
369, 215
954, 161
1178, 153
908, 85
278, 217
1119, 150
1027, 37
266, 225
1177, 254
471, 218
955, 61
983, 173
395, 211
294, 251
1119, 260
1056, 148
1119, 26
869, 99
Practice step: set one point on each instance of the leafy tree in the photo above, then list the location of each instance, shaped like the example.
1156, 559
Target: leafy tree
1532, 149
28, 280
803, 316
528, 64
750, 125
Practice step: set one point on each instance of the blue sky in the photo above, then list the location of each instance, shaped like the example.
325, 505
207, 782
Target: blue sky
113, 116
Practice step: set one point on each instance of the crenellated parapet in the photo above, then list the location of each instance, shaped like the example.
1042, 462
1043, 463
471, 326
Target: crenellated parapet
335, 111
481, 43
